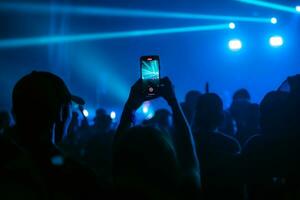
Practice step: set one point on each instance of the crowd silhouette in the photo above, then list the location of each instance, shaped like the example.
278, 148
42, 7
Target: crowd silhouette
199, 150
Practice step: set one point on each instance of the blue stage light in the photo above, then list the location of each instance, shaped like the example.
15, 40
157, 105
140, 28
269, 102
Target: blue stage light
276, 41
145, 109
298, 9
113, 115
235, 44
232, 25
85, 112
274, 20
37, 41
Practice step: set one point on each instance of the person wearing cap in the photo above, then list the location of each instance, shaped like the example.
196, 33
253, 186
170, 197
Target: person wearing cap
42, 107
42, 112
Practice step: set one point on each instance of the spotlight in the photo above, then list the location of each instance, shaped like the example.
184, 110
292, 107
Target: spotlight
232, 25
298, 9
276, 41
235, 44
274, 20
85, 112
113, 115
145, 109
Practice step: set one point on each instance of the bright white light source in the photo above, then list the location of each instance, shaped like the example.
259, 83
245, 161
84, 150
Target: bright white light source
232, 25
145, 109
274, 20
85, 112
276, 41
235, 44
113, 115
298, 9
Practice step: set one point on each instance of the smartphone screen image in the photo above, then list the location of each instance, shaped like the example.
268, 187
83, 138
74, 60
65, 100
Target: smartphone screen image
150, 74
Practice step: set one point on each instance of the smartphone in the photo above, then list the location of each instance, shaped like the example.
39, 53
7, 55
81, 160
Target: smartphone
150, 74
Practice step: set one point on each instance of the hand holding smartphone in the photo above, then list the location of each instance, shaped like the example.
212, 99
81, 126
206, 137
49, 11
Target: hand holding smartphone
150, 75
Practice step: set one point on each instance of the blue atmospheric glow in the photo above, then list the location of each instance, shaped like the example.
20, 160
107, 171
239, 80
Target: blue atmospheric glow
298, 9
232, 25
113, 115
276, 41
85, 112
235, 44
270, 5
37, 41
118, 12
274, 20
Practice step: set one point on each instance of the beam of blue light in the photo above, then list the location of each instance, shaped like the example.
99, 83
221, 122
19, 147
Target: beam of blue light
119, 12
37, 41
270, 5
94, 68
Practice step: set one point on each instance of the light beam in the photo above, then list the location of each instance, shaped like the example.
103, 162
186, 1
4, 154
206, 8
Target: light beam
270, 5
118, 12
38, 41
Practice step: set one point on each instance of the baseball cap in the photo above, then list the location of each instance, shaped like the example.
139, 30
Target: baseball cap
39, 89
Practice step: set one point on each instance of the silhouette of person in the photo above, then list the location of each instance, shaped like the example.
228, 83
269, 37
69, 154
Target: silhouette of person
189, 104
217, 152
102, 121
266, 157
98, 145
4, 122
42, 112
162, 120
145, 162
245, 114
74, 124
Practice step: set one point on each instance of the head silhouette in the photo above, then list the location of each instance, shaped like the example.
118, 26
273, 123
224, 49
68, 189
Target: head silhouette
42, 108
209, 112
274, 114
241, 95
102, 120
144, 161
191, 97
188, 107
